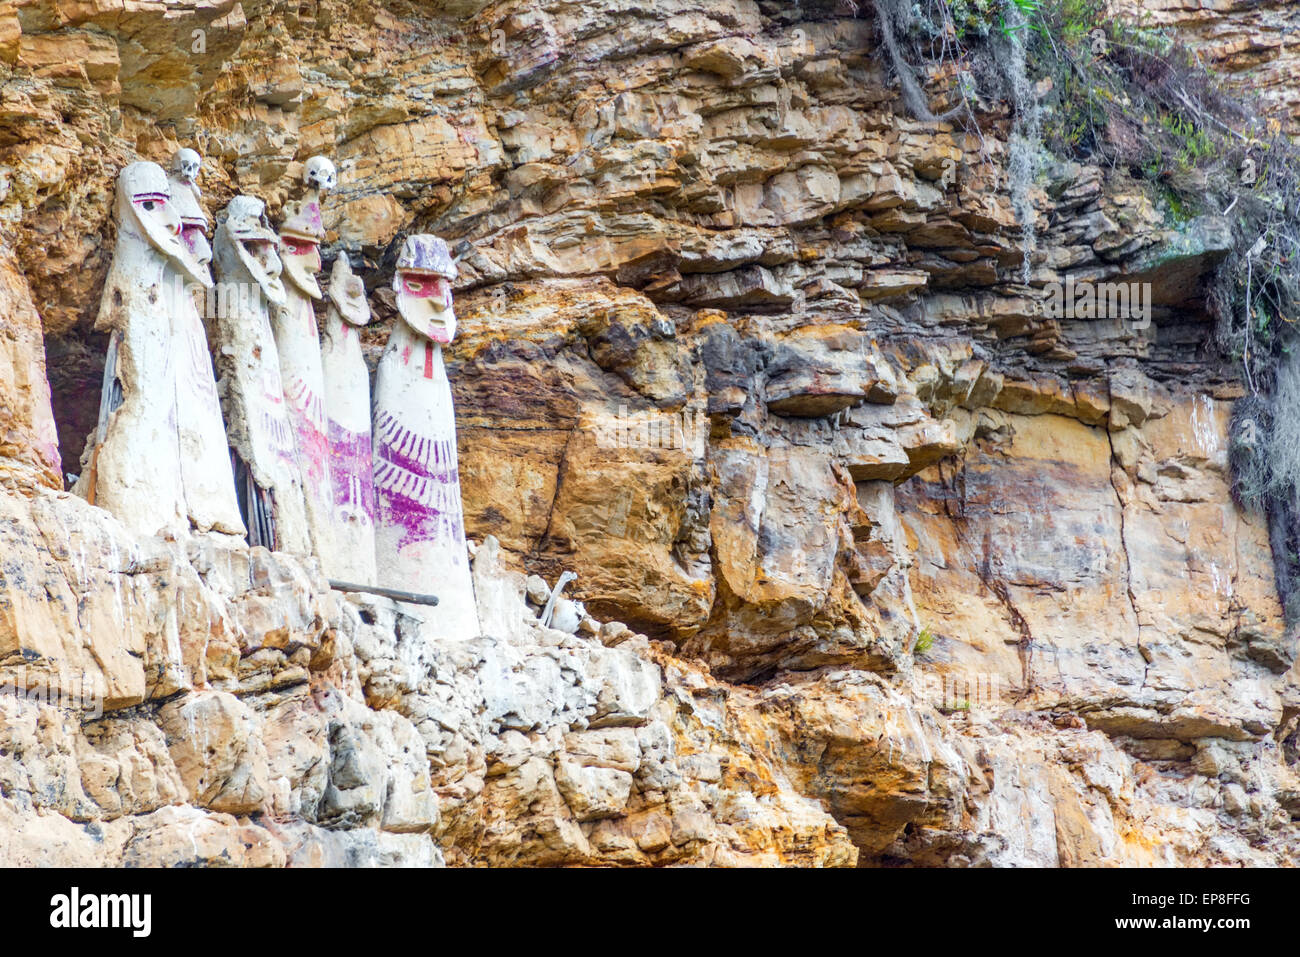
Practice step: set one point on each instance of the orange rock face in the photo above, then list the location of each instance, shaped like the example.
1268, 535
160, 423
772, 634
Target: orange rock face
26, 416
877, 562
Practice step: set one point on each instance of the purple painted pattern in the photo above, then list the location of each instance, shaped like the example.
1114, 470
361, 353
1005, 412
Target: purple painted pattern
417, 483
351, 472
307, 413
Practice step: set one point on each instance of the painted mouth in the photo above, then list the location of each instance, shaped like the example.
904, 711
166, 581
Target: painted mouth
301, 258
195, 238
259, 258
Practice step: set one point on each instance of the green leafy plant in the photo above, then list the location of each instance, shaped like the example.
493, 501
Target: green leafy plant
1141, 103
924, 642
1126, 96
1029, 11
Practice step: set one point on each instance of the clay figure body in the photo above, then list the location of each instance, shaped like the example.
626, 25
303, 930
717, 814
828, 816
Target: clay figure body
206, 472
132, 465
257, 423
297, 343
419, 527
347, 407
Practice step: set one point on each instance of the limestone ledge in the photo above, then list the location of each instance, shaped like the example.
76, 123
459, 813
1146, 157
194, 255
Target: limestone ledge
715, 218
253, 718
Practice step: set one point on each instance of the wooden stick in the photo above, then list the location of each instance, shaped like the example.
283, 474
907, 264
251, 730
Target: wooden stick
393, 593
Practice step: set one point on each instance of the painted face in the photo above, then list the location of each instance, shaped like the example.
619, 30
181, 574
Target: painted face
422, 282
245, 240
186, 201
155, 212
301, 258
348, 293
195, 235
145, 209
423, 286
424, 301
264, 254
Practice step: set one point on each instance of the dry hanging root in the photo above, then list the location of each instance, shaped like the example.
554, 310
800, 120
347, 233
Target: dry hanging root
913, 96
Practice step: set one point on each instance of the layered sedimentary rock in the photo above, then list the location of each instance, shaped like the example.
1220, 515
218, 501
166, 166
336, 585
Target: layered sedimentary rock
884, 564
1249, 42
31, 437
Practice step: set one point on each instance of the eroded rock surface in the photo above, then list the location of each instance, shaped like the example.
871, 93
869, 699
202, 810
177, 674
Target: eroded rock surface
883, 565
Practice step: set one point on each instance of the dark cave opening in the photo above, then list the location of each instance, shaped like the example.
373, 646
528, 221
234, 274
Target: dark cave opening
75, 368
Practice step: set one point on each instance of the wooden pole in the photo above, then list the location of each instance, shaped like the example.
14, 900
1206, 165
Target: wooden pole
393, 593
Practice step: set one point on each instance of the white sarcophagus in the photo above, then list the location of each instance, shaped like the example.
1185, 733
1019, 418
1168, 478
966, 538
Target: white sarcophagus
133, 462
419, 527
257, 423
347, 409
206, 474
297, 342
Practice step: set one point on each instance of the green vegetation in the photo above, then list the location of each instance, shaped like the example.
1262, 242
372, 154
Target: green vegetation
1133, 100
924, 642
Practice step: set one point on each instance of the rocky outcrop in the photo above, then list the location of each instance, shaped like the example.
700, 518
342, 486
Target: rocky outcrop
30, 437
1249, 42
884, 564
249, 716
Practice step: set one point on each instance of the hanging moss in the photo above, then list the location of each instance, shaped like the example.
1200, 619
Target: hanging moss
1026, 145
1126, 96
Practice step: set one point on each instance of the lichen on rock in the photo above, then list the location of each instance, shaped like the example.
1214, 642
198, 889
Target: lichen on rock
751, 348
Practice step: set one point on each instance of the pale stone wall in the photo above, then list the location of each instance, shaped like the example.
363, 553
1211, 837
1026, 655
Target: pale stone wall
709, 218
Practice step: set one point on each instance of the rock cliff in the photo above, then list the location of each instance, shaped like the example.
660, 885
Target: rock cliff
883, 564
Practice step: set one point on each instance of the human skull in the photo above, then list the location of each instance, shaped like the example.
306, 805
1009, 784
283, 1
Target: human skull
320, 174
186, 164
186, 200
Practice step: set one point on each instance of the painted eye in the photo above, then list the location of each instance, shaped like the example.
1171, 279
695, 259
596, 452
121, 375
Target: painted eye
148, 205
412, 285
